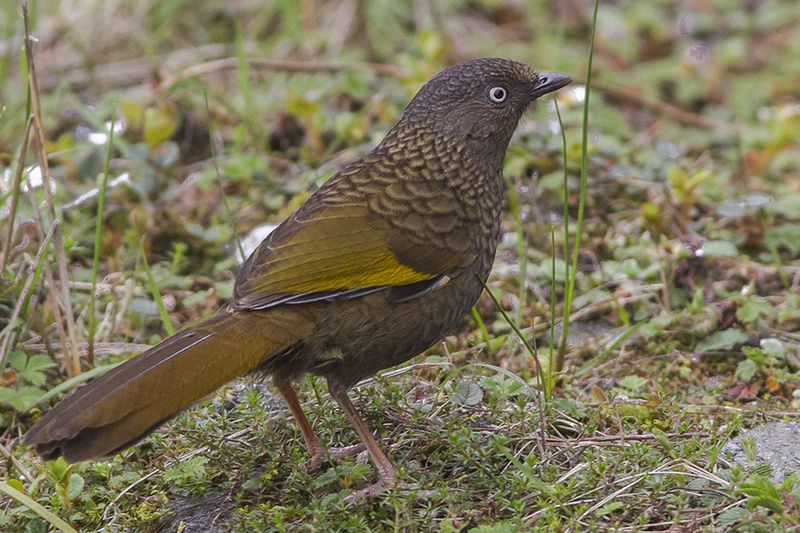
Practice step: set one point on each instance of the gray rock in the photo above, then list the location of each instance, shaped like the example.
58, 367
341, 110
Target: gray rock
205, 514
777, 444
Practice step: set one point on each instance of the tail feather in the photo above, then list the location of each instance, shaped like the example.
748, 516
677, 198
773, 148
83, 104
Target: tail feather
124, 405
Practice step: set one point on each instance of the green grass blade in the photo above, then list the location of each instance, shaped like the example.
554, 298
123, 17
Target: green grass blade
36, 507
153, 286
251, 113
552, 370
225, 203
570, 283
565, 188
98, 238
74, 382
534, 480
481, 325
521, 336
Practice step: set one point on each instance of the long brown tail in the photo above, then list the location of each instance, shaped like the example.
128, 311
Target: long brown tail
121, 407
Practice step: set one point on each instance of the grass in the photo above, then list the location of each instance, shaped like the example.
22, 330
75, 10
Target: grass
155, 292
647, 259
37, 508
572, 271
98, 240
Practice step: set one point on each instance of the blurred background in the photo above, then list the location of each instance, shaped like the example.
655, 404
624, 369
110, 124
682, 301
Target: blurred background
226, 115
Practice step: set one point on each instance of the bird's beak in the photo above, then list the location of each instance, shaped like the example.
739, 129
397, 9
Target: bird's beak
547, 82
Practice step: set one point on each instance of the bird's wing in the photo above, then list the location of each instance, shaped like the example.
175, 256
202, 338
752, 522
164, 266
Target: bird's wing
333, 248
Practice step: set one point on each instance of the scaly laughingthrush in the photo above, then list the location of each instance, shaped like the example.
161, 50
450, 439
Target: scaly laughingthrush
378, 265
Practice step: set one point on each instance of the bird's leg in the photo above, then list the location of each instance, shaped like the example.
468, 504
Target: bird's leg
314, 446
382, 464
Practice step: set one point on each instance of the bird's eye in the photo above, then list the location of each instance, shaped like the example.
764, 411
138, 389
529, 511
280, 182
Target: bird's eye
498, 95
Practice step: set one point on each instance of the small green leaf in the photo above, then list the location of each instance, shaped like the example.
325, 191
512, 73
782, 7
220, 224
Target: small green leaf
720, 249
632, 383
36, 525
752, 309
664, 440
192, 469
499, 527
22, 398
783, 236
756, 355
468, 393
762, 493
133, 112
749, 449
730, 517
610, 508
39, 361
722, 340
18, 360
75, 486
746, 369
34, 377
58, 469
159, 126
546, 269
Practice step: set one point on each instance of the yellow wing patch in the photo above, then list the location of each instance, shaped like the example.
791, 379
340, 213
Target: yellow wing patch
355, 269
323, 250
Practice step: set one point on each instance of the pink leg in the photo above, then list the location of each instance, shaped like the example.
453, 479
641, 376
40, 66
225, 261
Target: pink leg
379, 459
315, 448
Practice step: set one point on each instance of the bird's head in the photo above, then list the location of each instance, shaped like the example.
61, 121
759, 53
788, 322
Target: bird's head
478, 101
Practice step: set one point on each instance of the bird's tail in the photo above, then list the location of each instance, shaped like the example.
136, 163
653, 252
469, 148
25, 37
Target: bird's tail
121, 407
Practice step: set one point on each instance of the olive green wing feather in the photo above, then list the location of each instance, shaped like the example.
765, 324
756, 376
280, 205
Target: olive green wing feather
344, 243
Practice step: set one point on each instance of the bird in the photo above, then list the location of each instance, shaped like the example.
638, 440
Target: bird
378, 265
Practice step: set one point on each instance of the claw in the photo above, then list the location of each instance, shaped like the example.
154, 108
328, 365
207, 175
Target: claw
368, 493
315, 463
321, 455
347, 451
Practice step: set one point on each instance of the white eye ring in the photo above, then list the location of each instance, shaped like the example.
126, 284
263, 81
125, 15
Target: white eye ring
498, 94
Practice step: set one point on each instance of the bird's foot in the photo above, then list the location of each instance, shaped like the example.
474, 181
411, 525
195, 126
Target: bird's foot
319, 457
366, 494
346, 451
375, 489
315, 463
386, 480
